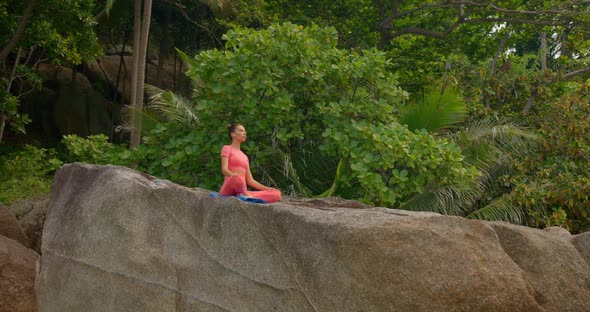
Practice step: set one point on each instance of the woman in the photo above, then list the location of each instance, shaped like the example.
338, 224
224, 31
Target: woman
236, 169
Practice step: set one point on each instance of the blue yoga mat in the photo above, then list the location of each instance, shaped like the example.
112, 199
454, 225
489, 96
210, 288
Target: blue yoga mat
244, 198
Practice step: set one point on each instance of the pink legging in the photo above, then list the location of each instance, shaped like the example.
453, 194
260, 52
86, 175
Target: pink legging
237, 186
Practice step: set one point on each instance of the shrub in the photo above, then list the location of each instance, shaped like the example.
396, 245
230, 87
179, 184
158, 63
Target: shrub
291, 85
27, 173
96, 149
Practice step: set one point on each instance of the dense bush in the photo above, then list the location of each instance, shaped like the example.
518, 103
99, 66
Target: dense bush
292, 89
27, 172
290, 85
96, 149
553, 181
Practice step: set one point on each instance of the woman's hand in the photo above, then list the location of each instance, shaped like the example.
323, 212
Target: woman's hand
235, 173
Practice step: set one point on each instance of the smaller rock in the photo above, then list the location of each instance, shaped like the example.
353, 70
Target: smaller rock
582, 244
17, 277
31, 214
558, 231
9, 227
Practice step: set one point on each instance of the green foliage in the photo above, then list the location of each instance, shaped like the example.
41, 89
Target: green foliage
171, 107
305, 171
488, 145
349, 17
64, 30
553, 183
392, 163
26, 173
96, 149
9, 112
434, 110
289, 84
180, 154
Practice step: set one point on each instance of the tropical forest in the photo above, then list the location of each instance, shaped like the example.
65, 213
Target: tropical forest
470, 108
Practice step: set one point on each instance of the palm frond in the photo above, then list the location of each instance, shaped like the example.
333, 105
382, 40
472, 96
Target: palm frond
172, 107
435, 110
148, 119
281, 172
445, 200
500, 132
339, 172
501, 209
305, 171
487, 142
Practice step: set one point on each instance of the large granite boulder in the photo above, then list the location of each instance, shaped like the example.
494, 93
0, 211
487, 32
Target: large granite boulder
17, 277
118, 240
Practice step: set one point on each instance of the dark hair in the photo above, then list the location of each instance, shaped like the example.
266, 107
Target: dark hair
231, 128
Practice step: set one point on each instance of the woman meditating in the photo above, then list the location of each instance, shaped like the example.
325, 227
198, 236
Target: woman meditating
236, 169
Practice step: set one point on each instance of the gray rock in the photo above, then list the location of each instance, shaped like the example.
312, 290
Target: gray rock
558, 232
582, 243
31, 216
114, 240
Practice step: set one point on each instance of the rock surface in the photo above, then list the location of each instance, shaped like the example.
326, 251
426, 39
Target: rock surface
10, 228
31, 214
118, 240
582, 243
17, 277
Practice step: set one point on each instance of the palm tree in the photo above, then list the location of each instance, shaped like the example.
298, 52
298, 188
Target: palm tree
488, 144
140, 41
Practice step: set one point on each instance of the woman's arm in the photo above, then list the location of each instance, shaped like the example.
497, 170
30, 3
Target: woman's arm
255, 184
225, 168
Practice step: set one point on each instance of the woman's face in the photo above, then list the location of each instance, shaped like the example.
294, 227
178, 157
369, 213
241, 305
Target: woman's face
239, 134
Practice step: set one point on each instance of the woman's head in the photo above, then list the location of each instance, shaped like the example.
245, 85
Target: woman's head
236, 130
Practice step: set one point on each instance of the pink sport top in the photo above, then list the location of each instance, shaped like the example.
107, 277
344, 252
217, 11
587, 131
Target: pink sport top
236, 159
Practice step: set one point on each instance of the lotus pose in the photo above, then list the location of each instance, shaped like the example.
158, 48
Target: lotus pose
236, 169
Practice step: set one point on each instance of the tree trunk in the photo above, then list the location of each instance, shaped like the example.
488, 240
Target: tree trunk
164, 46
486, 97
529, 103
20, 30
8, 87
2, 125
543, 51
134, 74
565, 50
145, 28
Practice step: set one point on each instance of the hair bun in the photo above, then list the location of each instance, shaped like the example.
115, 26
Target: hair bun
228, 126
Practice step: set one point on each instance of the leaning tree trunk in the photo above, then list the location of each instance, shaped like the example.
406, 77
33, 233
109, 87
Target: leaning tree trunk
3, 118
543, 51
20, 30
140, 41
145, 31
134, 73
492, 71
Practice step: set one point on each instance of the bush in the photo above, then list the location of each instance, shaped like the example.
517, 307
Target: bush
553, 183
291, 86
27, 173
96, 149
